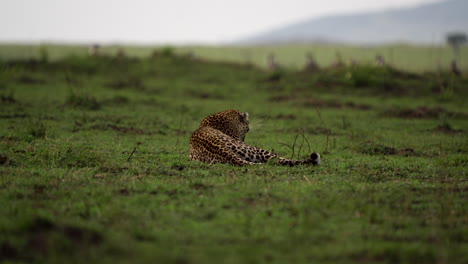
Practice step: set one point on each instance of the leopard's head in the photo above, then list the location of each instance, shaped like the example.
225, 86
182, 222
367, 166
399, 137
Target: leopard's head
231, 122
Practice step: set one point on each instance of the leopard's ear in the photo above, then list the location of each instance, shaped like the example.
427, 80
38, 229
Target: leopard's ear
245, 116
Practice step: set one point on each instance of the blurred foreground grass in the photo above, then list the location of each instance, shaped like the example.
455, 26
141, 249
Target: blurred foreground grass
94, 164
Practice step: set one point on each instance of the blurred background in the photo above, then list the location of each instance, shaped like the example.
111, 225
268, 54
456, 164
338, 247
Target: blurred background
414, 35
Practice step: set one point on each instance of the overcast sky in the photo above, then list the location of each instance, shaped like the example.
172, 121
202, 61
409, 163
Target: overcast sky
159, 22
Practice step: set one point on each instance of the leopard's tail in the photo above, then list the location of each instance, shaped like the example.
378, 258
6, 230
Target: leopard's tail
314, 159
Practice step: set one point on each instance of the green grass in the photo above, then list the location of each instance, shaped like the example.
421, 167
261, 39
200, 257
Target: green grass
94, 164
406, 57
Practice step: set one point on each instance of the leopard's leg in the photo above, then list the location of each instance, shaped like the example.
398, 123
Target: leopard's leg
211, 154
236, 159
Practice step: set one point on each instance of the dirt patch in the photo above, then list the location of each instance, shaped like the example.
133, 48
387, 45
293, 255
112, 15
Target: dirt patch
358, 106
31, 64
7, 99
117, 100
13, 116
41, 225
7, 251
131, 83
84, 101
3, 159
127, 130
178, 167
282, 98
80, 235
286, 117
9, 140
121, 129
315, 102
319, 131
447, 129
251, 202
172, 193
422, 112
256, 199
124, 192
44, 236
274, 77
205, 95
312, 102
407, 152
39, 189
30, 80
379, 149
113, 170
201, 186
371, 148
310, 130
128, 192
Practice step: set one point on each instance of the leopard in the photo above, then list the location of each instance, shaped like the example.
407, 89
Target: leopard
220, 139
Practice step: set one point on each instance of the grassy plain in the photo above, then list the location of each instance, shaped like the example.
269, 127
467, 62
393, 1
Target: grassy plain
94, 164
406, 57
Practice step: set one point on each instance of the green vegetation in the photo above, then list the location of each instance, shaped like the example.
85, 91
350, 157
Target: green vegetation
94, 163
405, 57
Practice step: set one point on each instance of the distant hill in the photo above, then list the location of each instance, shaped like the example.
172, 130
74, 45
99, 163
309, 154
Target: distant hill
424, 24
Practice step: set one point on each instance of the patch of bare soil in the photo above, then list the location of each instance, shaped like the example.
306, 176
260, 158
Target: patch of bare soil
286, 117
312, 102
127, 130
315, 102
117, 100
7, 99
44, 237
124, 192
131, 83
12, 116
405, 75
3, 159
201, 186
447, 129
274, 77
113, 170
282, 98
371, 148
357, 106
205, 95
406, 152
178, 167
422, 112
25, 79
8, 252
121, 129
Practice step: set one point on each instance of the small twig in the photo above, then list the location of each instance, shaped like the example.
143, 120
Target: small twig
328, 130
286, 145
300, 147
307, 141
134, 149
179, 129
290, 147
294, 146
304, 138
